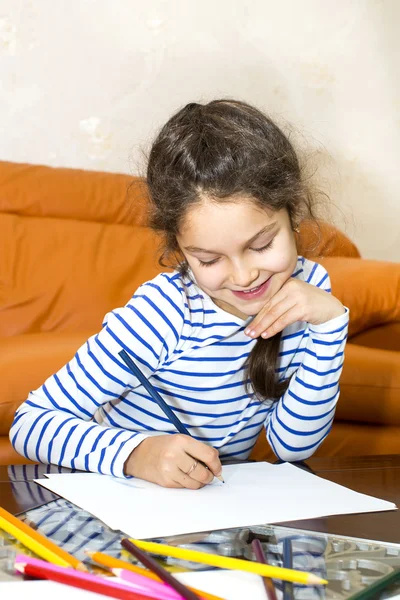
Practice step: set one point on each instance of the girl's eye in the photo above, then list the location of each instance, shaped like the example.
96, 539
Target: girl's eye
208, 264
266, 247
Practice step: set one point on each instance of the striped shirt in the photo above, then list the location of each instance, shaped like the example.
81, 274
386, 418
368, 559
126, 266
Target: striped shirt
94, 412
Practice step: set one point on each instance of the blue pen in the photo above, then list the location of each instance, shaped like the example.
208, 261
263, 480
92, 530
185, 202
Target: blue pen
156, 397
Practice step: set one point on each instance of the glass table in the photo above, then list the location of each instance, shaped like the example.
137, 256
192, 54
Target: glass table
350, 564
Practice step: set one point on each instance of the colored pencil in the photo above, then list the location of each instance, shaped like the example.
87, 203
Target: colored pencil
141, 581
84, 581
260, 556
287, 556
38, 543
116, 563
157, 398
377, 587
225, 562
151, 564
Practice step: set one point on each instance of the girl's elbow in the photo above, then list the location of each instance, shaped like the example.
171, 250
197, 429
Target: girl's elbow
294, 456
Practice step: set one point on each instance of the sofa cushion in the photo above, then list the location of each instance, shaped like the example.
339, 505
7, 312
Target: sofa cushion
369, 288
65, 275
26, 361
318, 238
39, 191
8, 456
344, 439
370, 386
385, 337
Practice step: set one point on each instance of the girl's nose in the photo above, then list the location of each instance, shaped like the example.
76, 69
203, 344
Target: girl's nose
243, 277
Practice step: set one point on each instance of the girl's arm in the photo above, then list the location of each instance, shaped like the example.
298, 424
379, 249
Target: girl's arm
55, 424
299, 422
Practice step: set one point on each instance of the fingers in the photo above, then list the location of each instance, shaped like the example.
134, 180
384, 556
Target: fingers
198, 463
196, 475
283, 321
275, 316
204, 453
295, 301
255, 328
174, 461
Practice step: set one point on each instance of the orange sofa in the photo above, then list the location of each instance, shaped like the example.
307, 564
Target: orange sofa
74, 244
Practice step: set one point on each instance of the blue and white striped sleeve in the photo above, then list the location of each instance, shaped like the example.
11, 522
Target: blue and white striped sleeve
55, 424
302, 418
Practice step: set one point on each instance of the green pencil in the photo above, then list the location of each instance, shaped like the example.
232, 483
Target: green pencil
377, 587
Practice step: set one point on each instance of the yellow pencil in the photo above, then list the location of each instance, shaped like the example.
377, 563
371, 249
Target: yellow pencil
36, 542
116, 563
224, 562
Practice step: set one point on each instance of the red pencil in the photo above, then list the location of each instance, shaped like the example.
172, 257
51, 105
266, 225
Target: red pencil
72, 578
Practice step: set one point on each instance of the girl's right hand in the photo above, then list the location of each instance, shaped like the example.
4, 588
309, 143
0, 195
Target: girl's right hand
174, 461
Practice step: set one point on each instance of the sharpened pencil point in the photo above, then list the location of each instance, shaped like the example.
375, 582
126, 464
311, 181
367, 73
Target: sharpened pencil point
315, 580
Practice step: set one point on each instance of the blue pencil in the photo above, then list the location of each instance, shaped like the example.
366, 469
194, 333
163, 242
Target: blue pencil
153, 393
156, 397
288, 564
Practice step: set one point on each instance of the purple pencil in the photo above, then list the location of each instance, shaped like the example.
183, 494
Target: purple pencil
260, 556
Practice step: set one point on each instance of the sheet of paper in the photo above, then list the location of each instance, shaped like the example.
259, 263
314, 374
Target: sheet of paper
45, 590
229, 585
253, 494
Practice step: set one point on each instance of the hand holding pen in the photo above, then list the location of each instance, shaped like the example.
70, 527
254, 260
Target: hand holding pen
174, 461
171, 460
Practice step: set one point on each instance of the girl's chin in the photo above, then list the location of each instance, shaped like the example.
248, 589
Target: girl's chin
241, 311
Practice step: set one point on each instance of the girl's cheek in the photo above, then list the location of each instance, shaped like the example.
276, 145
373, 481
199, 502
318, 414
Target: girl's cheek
212, 280
280, 263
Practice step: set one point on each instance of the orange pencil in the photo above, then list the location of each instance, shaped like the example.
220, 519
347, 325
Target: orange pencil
115, 563
38, 543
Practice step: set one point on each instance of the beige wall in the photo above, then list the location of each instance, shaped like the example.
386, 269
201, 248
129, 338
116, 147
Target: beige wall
86, 83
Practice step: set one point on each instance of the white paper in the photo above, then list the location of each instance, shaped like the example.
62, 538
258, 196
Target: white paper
44, 590
253, 494
229, 585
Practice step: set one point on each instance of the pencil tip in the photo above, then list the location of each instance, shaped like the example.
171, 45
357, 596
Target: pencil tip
314, 580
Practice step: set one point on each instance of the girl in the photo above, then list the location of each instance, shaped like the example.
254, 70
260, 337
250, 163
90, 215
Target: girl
244, 334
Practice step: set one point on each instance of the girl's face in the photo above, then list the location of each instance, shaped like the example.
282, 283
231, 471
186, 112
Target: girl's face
240, 254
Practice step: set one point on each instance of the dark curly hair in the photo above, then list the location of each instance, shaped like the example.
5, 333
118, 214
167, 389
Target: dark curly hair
220, 150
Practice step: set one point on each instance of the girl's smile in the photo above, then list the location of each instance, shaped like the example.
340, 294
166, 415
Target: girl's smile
239, 253
255, 292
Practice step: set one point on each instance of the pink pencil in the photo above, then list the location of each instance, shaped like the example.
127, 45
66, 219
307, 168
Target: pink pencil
142, 581
22, 560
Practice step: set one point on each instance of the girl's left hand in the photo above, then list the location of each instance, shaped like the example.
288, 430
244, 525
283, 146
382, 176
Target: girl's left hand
295, 301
